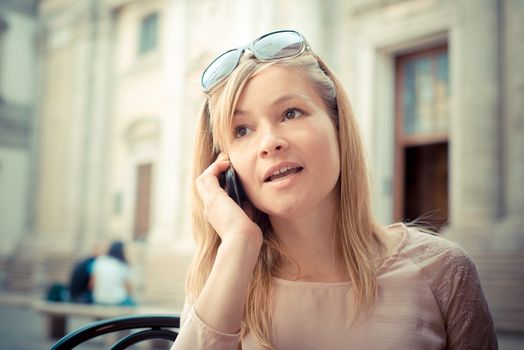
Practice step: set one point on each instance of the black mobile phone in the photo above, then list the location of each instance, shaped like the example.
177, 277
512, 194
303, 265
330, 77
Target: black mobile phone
229, 181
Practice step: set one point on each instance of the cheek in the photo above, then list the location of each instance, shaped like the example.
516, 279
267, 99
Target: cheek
327, 154
335, 156
329, 157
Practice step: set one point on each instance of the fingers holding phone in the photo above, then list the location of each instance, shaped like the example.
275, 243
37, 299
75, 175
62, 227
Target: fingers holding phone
207, 182
223, 210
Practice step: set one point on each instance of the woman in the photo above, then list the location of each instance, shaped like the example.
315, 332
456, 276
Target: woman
111, 278
303, 264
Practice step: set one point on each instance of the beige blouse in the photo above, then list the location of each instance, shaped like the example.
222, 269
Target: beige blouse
429, 298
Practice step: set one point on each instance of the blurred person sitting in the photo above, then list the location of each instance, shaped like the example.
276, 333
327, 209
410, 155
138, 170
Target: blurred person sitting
110, 280
79, 285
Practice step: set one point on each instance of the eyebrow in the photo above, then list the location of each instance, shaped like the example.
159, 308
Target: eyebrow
277, 101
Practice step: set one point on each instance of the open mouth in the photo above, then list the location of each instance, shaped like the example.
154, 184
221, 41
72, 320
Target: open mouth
282, 173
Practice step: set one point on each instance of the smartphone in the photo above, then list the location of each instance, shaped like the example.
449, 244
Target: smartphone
229, 182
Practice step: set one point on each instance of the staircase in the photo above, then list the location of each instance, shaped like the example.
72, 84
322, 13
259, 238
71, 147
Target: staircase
502, 277
19, 275
24, 274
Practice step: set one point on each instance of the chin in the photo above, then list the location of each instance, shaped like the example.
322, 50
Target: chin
284, 209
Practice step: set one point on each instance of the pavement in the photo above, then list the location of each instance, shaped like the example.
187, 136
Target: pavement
21, 328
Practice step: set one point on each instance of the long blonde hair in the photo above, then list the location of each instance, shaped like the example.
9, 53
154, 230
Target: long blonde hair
358, 237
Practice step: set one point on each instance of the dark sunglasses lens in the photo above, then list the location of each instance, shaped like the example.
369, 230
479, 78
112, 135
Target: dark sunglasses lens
220, 68
278, 45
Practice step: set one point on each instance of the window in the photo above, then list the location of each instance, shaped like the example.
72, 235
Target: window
425, 95
421, 136
148, 33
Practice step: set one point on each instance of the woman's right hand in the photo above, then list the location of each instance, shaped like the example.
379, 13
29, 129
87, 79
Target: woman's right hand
228, 219
221, 302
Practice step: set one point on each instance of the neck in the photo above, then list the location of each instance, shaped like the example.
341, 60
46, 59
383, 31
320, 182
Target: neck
308, 238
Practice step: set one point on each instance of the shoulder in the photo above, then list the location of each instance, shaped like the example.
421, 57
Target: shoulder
444, 264
116, 263
439, 259
423, 247
122, 266
102, 261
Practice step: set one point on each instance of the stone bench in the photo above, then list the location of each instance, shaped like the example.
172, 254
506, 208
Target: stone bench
57, 313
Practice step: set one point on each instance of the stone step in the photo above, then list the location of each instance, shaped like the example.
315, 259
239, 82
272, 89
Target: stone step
58, 268
27, 275
19, 275
4, 265
502, 280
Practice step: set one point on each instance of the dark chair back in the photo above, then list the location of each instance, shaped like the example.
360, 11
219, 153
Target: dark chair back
147, 327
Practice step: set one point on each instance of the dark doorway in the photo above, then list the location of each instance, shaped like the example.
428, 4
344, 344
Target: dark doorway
426, 183
143, 201
421, 136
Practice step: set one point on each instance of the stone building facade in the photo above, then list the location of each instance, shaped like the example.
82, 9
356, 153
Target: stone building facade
435, 84
18, 25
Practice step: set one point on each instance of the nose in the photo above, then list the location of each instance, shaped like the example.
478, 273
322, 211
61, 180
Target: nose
271, 143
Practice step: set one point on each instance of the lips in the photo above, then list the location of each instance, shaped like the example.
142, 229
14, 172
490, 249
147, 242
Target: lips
281, 171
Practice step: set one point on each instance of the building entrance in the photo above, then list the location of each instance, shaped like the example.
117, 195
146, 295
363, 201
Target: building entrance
421, 136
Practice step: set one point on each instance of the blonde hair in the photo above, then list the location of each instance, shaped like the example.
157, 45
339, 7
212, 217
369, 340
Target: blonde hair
358, 237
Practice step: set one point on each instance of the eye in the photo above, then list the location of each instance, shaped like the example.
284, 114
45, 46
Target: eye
292, 113
240, 131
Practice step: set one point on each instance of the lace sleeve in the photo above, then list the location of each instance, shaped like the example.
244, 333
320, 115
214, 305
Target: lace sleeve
467, 318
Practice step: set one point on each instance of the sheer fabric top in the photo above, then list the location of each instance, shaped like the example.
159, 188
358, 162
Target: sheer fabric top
429, 298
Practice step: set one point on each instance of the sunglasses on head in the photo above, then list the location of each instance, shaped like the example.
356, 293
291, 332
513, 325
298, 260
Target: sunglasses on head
277, 45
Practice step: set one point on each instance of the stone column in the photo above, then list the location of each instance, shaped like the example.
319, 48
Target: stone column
59, 139
512, 227
476, 123
167, 255
69, 168
62, 144
168, 192
100, 118
487, 220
